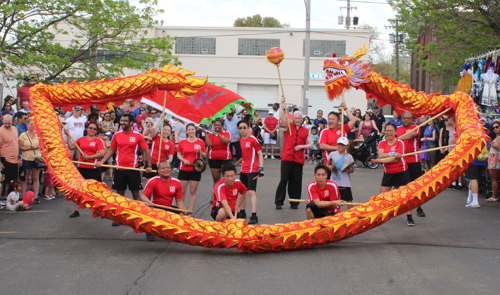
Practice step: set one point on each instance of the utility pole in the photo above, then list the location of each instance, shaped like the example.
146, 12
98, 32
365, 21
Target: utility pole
348, 17
396, 39
307, 56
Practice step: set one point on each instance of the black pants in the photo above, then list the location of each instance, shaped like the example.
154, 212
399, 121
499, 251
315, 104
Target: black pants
237, 148
291, 173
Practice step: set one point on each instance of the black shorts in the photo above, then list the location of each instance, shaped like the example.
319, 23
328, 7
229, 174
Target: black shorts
396, 179
217, 164
318, 212
474, 171
247, 180
415, 170
90, 173
130, 178
345, 193
10, 171
152, 174
215, 211
189, 175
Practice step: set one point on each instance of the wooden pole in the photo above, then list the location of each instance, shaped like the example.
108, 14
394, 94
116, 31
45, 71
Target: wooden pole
343, 203
423, 151
111, 166
165, 207
284, 103
256, 177
71, 137
427, 121
161, 130
342, 116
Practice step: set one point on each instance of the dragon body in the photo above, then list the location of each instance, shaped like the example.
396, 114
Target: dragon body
237, 233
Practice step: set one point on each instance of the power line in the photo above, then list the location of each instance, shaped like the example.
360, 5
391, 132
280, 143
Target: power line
368, 2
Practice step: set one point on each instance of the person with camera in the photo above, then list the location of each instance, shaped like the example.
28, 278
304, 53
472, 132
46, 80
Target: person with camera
29, 143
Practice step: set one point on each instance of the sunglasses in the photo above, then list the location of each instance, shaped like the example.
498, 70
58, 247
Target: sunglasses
153, 113
242, 128
89, 128
496, 127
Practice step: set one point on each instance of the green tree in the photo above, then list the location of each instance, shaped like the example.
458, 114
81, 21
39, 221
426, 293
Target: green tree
95, 39
258, 21
457, 30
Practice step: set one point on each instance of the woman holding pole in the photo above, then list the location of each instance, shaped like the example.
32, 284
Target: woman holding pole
92, 148
396, 172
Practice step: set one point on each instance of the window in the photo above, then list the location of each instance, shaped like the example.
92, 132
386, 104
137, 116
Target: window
321, 48
256, 46
190, 45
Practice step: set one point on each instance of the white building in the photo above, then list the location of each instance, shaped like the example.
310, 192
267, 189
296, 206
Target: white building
236, 58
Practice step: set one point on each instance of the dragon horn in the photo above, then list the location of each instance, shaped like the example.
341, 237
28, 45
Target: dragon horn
187, 73
360, 52
166, 67
176, 69
197, 83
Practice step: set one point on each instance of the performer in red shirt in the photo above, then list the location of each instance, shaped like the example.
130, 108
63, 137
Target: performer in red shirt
292, 158
220, 153
324, 197
411, 141
126, 143
93, 148
270, 129
188, 150
252, 165
167, 147
162, 190
226, 193
329, 136
395, 168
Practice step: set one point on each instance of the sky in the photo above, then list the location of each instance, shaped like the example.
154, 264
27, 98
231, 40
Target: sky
324, 13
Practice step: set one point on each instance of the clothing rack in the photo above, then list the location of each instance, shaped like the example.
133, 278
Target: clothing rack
493, 53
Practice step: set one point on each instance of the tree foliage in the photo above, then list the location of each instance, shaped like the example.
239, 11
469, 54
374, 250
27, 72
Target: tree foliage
457, 30
258, 21
79, 39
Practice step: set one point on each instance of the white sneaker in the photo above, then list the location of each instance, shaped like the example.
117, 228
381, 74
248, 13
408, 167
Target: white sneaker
2, 203
265, 157
272, 157
52, 196
47, 198
471, 205
315, 162
310, 162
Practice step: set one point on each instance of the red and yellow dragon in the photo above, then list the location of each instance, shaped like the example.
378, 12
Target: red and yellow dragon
347, 72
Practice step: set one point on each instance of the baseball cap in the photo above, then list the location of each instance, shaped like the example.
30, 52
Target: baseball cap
369, 111
27, 78
343, 140
271, 112
5, 113
77, 108
109, 134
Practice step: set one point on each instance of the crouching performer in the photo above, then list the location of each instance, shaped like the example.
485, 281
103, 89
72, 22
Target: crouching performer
226, 193
162, 190
324, 198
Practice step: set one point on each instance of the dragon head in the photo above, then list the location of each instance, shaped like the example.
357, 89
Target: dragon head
346, 72
178, 83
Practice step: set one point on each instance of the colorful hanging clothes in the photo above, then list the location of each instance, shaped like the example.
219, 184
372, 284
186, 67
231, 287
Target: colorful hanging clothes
489, 97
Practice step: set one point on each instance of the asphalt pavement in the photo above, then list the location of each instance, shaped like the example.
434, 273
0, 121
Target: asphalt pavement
453, 250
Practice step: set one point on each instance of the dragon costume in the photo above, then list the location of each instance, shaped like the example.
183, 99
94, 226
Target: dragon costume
342, 75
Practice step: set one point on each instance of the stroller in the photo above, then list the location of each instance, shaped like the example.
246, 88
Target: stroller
364, 154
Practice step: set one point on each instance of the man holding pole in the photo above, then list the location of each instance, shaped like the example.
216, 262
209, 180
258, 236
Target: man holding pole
328, 137
226, 193
324, 197
410, 139
126, 143
292, 158
162, 190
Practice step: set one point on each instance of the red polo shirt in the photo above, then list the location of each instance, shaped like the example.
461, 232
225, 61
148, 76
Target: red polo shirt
298, 137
